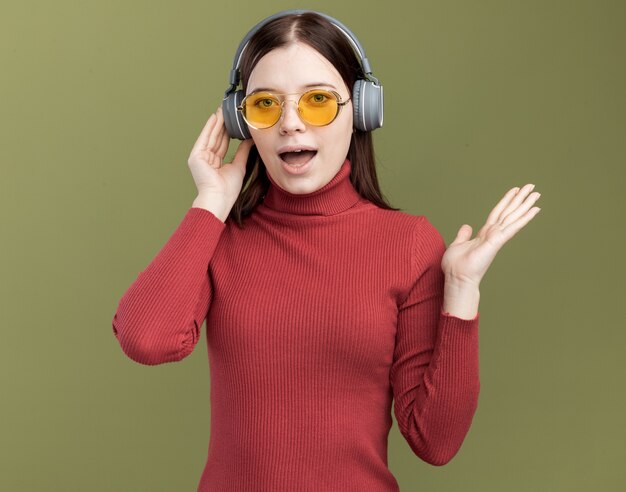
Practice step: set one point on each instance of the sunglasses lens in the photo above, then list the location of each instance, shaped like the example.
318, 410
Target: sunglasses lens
261, 110
318, 107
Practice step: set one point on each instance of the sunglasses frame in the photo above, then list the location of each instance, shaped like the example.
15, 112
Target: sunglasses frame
340, 104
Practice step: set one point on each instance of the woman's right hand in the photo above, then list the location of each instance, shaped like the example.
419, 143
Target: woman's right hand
218, 184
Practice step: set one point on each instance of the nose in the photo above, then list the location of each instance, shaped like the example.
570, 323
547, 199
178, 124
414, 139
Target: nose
290, 120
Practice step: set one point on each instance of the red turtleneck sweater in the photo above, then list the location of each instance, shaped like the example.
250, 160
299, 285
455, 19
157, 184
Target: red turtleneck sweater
318, 313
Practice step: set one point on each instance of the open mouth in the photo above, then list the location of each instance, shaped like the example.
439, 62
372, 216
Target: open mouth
298, 158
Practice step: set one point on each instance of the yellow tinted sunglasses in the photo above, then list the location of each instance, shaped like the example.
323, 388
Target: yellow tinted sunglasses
317, 107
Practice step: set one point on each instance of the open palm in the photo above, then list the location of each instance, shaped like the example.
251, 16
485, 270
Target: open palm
206, 160
467, 260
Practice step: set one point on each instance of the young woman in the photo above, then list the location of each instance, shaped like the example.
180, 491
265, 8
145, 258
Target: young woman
322, 303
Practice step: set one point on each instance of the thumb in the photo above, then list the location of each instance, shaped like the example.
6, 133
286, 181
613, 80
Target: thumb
464, 234
241, 155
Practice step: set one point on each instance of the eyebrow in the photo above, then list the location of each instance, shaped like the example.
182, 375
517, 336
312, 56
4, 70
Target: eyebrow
315, 84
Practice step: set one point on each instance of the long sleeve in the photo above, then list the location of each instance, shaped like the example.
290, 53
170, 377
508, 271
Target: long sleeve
435, 370
159, 317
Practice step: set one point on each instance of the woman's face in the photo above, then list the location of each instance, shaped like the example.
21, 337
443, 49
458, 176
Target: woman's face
295, 69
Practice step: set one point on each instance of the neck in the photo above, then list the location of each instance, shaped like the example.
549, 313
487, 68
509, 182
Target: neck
335, 197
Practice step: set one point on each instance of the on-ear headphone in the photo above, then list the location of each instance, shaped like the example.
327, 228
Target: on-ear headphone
367, 93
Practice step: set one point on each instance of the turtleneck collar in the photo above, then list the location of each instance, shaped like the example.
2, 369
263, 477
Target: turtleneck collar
336, 196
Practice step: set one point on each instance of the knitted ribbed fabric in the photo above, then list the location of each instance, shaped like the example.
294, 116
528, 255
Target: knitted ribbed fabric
318, 313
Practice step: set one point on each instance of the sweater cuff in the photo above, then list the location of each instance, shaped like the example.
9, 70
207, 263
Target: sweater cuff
451, 318
202, 214
458, 332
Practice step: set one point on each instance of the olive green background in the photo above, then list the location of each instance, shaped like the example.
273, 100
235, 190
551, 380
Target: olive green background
101, 102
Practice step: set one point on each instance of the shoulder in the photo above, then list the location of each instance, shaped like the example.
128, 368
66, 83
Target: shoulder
414, 236
418, 227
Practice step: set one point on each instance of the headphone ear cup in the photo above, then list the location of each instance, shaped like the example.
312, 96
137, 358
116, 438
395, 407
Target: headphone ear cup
233, 120
367, 101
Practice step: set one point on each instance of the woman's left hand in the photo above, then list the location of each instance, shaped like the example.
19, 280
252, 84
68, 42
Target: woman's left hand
466, 260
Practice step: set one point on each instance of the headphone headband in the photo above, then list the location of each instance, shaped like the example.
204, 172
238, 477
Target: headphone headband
235, 75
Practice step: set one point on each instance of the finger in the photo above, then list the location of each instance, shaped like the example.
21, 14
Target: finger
203, 139
513, 228
521, 209
214, 160
220, 117
223, 144
517, 200
222, 141
494, 216
218, 155
214, 135
219, 141
215, 141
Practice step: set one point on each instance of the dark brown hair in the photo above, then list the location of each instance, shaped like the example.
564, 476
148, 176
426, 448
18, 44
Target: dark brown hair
324, 37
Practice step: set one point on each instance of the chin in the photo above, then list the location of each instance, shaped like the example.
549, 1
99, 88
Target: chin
301, 186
